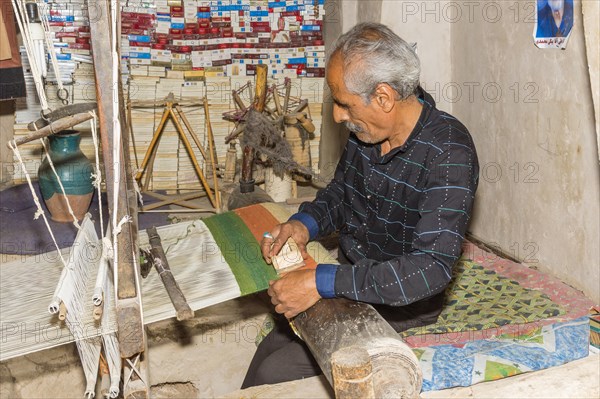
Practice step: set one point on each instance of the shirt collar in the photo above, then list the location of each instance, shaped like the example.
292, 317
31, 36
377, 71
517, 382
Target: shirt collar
428, 104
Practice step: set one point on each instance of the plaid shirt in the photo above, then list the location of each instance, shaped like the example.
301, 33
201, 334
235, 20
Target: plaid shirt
401, 217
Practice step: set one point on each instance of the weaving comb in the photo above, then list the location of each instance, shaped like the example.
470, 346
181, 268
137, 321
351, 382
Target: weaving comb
289, 258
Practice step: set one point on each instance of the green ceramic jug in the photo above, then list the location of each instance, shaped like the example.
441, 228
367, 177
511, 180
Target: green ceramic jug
75, 172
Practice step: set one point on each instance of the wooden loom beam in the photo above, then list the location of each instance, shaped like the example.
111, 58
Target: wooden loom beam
128, 301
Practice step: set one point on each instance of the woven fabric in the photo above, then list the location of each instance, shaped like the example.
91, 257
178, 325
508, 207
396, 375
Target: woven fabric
479, 298
213, 260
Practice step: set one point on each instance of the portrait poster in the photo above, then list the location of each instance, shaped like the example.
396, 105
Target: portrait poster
553, 24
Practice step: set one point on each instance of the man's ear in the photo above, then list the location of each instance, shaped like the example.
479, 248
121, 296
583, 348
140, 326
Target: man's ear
385, 97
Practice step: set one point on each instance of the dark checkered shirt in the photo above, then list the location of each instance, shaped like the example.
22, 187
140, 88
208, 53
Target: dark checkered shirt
401, 217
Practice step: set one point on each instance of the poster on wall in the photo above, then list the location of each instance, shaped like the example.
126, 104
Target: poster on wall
554, 22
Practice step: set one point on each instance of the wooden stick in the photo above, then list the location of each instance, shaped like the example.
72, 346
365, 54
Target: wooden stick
67, 110
150, 153
130, 128
188, 125
184, 312
161, 103
181, 200
238, 100
198, 210
277, 101
260, 95
190, 151
288, 90
211, 149
55, 127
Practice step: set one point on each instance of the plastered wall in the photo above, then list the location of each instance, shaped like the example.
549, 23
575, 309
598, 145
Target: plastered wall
531, 114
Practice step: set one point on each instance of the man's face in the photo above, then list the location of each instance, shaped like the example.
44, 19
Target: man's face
556, 5
362, 119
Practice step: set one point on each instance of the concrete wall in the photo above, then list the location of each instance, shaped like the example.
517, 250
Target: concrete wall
531, 114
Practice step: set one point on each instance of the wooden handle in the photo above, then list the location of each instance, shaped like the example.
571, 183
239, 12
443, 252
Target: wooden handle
184, 312
260, 93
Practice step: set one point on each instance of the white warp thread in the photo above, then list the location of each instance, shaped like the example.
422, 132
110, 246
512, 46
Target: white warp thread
98, 175
43, 13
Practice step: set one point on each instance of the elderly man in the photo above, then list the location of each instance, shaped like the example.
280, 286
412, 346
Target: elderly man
400, 198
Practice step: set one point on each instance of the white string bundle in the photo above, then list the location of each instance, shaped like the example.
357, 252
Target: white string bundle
44, 12
35, 51
83, 261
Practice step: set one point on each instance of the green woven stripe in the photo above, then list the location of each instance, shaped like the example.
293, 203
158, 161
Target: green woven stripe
241, 252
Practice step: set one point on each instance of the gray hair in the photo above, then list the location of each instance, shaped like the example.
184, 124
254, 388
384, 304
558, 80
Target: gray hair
373, 54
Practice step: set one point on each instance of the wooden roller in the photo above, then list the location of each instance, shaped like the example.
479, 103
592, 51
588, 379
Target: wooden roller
333, 328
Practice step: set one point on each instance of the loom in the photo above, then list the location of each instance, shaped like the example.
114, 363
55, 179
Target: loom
224, 250
106, 312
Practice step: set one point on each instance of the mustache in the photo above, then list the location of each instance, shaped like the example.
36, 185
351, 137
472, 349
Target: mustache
353, 127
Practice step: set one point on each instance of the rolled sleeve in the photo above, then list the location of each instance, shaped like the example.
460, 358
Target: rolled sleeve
325, 278
308, 221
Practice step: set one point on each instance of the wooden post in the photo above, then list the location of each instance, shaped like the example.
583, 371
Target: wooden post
260, 95
332, 325
128, 301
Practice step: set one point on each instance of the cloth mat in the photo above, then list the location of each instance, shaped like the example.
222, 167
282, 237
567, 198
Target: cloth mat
21, 234
479, 298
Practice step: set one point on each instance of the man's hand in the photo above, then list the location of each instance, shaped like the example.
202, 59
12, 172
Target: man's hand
270, 246
294, 292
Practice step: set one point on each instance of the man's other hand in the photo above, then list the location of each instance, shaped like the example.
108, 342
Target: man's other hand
294, 292
270, 246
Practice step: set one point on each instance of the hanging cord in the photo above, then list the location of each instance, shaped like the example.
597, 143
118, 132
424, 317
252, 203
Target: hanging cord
36, 200
36, 70
98, 175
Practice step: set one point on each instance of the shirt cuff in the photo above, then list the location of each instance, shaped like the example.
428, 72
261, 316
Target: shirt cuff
308, 221
325, 278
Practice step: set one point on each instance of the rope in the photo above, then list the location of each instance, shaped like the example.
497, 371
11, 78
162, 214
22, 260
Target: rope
98, 175
36, 200
62, 188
